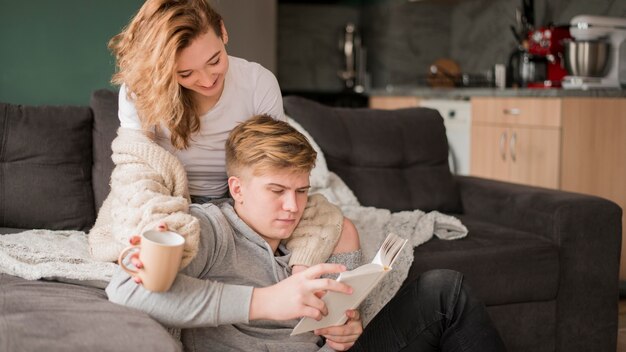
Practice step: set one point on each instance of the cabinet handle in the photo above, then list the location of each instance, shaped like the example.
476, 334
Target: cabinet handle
503, 145
512, 111
512, 146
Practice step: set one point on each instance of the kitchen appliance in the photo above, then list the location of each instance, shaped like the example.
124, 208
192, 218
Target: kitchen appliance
524, 68
354, 56
591, 34
587, 58
545, 44
457, 117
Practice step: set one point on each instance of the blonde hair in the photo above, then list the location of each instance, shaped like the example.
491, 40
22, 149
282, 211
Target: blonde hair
265, 144
146, 52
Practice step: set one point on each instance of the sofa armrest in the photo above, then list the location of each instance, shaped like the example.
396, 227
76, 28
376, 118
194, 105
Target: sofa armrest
541, 211
587, 231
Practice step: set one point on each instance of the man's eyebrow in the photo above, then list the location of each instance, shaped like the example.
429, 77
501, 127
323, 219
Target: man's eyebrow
285, 187
207, 61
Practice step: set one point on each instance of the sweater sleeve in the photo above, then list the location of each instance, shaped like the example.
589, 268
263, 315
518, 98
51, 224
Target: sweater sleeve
141, 198
317, 233
191, 301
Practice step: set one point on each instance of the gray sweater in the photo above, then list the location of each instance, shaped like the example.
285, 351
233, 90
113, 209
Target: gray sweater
210, 298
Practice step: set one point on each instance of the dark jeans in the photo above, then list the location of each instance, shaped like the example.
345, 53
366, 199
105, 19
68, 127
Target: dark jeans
436, 312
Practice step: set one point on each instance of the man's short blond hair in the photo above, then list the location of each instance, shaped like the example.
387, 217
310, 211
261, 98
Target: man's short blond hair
264, 144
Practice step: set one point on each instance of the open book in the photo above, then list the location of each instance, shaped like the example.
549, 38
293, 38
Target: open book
362, 280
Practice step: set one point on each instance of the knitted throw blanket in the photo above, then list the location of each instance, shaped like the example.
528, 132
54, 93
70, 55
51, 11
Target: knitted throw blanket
53, 255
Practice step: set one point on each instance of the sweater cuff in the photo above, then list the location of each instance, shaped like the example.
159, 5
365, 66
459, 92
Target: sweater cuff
235, 304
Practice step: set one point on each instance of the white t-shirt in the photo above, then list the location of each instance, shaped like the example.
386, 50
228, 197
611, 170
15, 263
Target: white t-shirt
249, 89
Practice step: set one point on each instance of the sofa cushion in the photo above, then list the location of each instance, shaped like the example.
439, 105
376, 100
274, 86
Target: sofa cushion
30, 312
45, 150
393, 159
502, 265
104, 106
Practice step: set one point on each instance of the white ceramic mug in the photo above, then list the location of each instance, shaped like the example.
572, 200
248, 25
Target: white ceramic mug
160, 252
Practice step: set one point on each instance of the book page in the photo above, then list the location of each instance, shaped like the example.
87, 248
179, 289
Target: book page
389, 250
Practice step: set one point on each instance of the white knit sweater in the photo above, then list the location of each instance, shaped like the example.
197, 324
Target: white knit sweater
149, 186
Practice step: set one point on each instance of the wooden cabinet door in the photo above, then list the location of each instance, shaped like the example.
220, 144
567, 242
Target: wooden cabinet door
534, 155
489, 152
516, 154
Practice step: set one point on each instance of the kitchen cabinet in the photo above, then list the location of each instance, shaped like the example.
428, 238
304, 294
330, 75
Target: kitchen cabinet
516, 140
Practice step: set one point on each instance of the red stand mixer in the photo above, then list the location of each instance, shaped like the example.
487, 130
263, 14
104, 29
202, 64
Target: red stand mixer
546, 43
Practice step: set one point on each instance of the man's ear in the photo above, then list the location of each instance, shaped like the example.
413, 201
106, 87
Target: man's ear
224, 33
234, 186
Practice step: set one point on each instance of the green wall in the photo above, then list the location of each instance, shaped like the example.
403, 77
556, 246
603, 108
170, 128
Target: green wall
54, 52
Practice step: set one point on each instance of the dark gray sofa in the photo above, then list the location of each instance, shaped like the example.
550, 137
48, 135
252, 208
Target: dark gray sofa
544, 262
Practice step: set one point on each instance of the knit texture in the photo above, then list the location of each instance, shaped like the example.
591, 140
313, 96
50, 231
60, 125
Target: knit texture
148, 187
317, 233
351, 260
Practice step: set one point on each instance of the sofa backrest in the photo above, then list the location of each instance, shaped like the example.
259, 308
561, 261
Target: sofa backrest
105, 124
55, 163
45, 167
392, 159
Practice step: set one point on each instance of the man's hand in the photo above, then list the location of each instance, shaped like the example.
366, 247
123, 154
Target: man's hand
295, 297
343, 337
298, 269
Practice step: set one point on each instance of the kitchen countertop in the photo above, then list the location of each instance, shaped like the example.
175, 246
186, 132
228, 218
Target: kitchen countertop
467, 93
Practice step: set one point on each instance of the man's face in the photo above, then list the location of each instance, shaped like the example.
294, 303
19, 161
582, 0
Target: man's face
272, 203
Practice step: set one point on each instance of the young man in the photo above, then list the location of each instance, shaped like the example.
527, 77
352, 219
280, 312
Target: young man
238, 292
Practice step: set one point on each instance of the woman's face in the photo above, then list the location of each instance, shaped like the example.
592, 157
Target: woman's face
201, 67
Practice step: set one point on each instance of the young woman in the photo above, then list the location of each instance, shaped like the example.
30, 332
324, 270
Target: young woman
180, 87
178, 81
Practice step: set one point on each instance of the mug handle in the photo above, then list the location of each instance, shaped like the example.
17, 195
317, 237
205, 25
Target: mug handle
123, 254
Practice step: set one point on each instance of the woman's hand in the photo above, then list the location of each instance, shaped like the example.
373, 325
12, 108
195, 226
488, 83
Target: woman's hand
134, 258
295, 297
343, 337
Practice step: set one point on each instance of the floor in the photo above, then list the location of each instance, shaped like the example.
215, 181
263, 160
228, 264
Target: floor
621, 329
